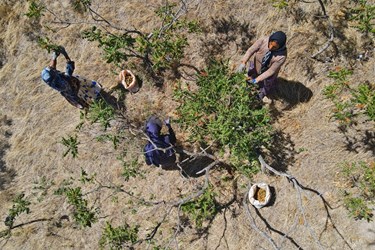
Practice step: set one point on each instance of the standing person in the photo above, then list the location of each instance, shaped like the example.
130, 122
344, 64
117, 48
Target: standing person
157, 140
60, 81
270, 54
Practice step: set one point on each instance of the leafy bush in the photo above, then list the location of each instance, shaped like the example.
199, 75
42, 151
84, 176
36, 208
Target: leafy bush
117, 237
361, 177
201, 209
162, 48
82, 214
101, 112
116, 48
45, 43
224, 110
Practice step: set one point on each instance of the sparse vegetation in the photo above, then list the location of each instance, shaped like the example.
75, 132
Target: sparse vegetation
348, 99
129, 170
202, 209
364, 16
20, 205
72, 144
41, 186
45, 43
82, 214
101, 112
35, 10
280, 4
361, 179
118, 237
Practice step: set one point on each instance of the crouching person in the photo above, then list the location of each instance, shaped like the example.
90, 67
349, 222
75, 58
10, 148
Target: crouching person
153, 151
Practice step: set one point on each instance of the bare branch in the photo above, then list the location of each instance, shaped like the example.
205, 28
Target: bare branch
298, 188
331, 32
253, 224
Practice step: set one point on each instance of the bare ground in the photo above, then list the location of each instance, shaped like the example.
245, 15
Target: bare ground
310, 146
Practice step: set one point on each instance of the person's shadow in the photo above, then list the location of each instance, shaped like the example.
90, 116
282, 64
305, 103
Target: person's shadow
291, 93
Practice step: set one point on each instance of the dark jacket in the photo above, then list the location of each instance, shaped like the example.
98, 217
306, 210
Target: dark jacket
158, 157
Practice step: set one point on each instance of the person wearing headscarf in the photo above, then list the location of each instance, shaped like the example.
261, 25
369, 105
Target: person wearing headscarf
270, 54
157, 141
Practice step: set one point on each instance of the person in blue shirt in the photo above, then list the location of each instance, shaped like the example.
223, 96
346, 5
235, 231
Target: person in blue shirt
63, 82
153, 155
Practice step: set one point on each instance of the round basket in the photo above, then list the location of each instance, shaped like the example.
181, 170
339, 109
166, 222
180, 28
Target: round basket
259, 195
128, 80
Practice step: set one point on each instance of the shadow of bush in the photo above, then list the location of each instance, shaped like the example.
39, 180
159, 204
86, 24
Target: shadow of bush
281, 153
223, 33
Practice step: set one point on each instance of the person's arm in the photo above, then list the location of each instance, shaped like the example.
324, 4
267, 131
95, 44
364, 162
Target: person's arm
250, 52
171, 136
53, 63
275, 67
70, 66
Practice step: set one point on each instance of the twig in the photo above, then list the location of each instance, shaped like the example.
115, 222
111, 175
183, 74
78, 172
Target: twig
298, 187
225, 229
330, 27
181, 11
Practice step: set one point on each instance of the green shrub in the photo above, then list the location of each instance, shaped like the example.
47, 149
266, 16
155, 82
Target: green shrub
361, 176
349, 99
117, 237
72, 144
101, 112
45, 43
129, 170
35, 10
224, 110
280, 4
162, 48
116, 48
357, 207
20, 205
82, 214
201, 209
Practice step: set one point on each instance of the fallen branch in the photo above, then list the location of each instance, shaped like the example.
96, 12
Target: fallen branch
330, 28
253, 224
298, 188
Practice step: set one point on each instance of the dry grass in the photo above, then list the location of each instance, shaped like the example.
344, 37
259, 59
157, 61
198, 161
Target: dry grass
37, 118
